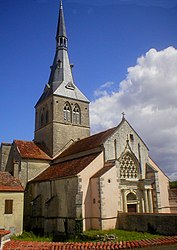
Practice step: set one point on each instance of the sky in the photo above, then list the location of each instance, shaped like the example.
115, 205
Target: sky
125, 60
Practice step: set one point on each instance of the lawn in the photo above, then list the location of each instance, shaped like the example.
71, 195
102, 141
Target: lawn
92, 235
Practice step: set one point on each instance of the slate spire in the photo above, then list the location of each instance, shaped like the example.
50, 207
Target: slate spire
61, 28
61, 79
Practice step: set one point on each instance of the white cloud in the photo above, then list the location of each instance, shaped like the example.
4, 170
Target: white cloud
148, 96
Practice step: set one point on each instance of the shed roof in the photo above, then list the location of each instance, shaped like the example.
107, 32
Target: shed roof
65, 169
9, 183
31, 150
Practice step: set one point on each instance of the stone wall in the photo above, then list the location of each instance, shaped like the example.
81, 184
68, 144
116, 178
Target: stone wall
57, 132
164, 224
6, 157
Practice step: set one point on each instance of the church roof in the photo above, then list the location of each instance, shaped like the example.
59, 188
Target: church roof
65, 169
88, 143
31, 150
106, 168
9, 183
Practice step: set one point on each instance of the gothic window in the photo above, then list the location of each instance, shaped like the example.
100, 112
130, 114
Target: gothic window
128, 168
42, 119
67, 112
47, 117
76, 114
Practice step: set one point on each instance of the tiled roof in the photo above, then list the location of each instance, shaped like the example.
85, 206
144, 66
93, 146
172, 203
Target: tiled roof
66, 169
103, 170
29, 149
22, 245
9, 183
4, 232
88, 143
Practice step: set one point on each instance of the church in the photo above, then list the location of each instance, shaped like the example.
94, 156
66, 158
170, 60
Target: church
74, 180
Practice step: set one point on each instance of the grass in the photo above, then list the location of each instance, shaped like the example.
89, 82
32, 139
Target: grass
121, 235
92, 235
30, 236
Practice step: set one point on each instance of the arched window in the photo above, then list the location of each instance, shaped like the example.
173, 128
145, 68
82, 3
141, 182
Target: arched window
131, 197
42, 119
76, 114
67, 112
128, 167
47, 116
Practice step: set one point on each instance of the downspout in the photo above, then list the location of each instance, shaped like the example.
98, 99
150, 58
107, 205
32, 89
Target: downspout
100, 204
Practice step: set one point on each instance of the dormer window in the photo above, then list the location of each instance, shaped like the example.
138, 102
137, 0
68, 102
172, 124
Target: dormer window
59, 63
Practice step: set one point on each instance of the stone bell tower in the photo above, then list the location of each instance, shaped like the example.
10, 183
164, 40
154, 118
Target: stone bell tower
62, 111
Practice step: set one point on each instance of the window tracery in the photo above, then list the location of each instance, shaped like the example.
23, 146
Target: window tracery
67, 112
76, 114
128, 168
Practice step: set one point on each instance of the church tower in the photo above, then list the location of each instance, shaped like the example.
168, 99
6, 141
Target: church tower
62, 112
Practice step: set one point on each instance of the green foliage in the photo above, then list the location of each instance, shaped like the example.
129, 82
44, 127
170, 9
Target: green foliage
120, 235
30, 236
91, 235
173, 184
78, 226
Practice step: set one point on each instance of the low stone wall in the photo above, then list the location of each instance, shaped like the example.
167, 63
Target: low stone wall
164, 224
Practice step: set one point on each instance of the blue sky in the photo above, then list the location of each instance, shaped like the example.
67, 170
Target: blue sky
106, 38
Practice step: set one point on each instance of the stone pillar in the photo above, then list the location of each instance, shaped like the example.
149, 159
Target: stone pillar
124, 201
150, 201
142, 203
146, 201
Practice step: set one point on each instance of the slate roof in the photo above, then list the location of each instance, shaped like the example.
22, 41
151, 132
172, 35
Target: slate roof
65, 169
9, 183
102, 171
30, 150
88, 143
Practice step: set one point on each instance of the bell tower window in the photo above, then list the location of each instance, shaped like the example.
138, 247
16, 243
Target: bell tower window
67, 112
76, 114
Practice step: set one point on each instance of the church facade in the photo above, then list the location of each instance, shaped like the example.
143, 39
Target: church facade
72, 179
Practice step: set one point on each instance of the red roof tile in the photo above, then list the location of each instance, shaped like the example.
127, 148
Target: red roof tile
24, 245
65, 169
4, 232
88, 143
29, 149
9, 183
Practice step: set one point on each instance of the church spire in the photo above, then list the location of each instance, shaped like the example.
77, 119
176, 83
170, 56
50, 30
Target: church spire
61, 72
61, 36
61, 79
